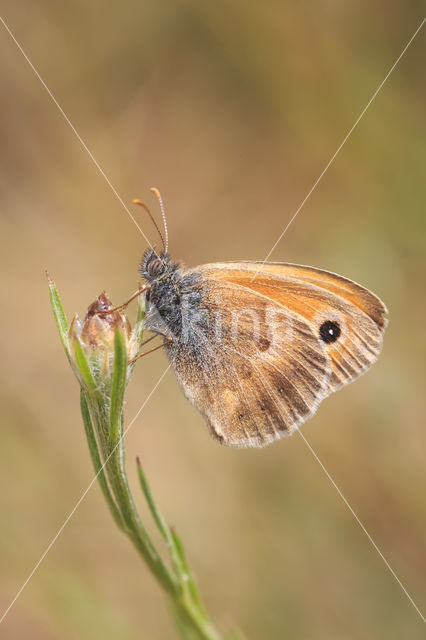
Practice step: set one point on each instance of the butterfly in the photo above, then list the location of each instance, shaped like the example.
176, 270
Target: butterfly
257, 346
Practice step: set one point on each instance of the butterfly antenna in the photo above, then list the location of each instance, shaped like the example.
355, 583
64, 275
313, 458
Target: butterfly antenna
163, 215
144, 206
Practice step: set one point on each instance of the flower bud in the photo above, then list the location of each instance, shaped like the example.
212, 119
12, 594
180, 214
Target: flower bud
96, 335
99, 324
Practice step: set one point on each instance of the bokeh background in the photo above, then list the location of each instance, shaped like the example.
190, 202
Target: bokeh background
232, 109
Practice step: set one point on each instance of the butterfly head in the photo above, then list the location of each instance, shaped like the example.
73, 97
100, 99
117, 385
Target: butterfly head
155, 265
163, 296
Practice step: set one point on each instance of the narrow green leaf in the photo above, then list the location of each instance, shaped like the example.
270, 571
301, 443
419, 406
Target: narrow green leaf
102, 413
186, 631
173, 541
140, 321
118, 387
156, 513
139, 327
185, 570
163, 527
83, 365
59, 313
96, 459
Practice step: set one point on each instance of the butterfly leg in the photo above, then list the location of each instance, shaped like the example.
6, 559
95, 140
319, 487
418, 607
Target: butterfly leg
167, 341
137, 293
149, 339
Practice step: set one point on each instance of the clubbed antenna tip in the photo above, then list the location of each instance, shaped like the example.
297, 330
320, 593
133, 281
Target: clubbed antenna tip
144, 206
163, 215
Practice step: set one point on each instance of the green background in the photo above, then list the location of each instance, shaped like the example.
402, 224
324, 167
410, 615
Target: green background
232, 109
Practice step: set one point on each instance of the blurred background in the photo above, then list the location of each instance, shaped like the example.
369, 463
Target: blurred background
232, 109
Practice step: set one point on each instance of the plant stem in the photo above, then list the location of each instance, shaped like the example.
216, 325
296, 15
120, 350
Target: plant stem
102, 402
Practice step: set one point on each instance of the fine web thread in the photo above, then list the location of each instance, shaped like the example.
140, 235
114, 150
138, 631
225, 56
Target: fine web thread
95, 162
83, 495
348, 505
77, 135
333, 157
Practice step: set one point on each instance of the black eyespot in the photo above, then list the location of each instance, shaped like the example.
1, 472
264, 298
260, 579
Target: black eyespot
280, 390
262, 408
329, 331
240, 416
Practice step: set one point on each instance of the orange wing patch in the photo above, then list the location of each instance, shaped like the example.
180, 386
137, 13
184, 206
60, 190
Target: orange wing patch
319, 297
246, 273
252, 383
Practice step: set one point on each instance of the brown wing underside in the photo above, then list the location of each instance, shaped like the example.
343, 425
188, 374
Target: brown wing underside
318, 296
268, 368
263, 374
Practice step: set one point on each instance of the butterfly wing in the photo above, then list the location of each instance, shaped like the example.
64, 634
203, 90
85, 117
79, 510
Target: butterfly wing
324, 300
254, 368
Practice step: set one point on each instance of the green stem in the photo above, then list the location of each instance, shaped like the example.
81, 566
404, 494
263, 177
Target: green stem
94, 454
102, 401
187, 608
120, 486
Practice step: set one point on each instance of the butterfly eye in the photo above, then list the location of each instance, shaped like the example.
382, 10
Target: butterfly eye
155, 267
329, 331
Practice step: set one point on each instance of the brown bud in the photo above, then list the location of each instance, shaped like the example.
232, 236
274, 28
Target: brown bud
99, 324
96, 334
